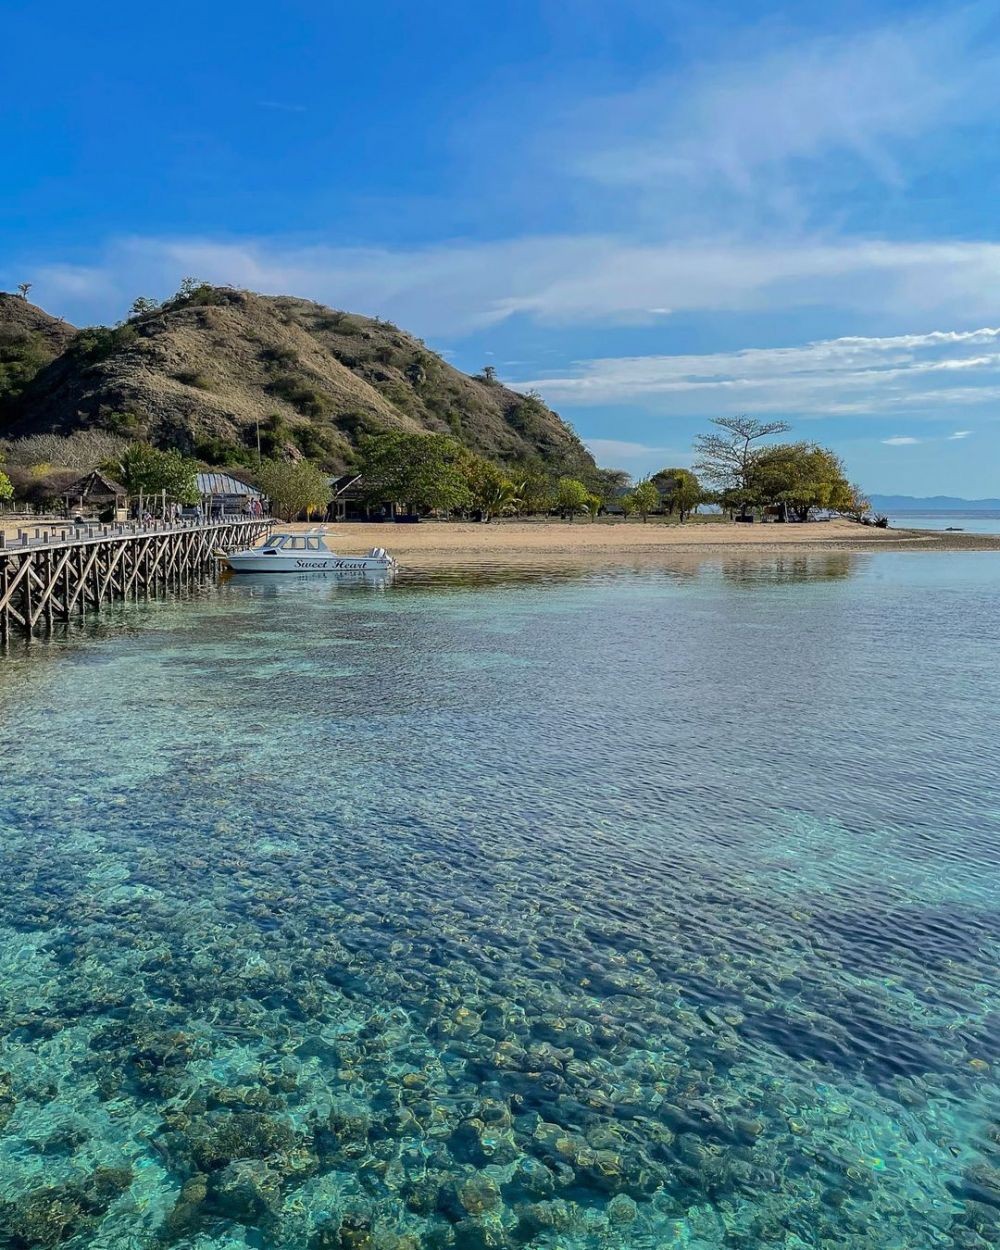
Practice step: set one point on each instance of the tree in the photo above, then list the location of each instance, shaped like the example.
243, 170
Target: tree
571, 496
142, 305
147, 470
858, 504
492, 491
23, 288
488, 374
6, 487
803, 476
646, 497
534, 488
608, 484
727, 460
294, 487
680, 489
627, 503
594, 504
423, 471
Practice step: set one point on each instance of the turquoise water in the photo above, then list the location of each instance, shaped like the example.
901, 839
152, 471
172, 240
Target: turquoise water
970, 522
637, 908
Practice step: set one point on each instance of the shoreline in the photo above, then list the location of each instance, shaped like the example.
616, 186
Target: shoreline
430, 540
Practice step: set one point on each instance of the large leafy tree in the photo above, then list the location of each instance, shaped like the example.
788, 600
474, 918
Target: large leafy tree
492, 491
534, 486
6, 488
609, 484
804, 476
423, 471
294, 487
147, 470
680, 490
727, 460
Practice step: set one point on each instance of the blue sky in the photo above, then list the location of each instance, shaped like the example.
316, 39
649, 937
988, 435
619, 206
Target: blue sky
653, 213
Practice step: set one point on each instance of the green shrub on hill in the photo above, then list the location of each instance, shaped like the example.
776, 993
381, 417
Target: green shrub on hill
308, 400
22, 355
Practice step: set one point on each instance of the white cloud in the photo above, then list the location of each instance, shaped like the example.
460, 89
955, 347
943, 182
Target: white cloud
757, 124
835, 376
900, 441
458, 287
959, 434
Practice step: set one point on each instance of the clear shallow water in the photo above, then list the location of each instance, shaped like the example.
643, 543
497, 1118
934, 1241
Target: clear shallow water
643, 909
971, 522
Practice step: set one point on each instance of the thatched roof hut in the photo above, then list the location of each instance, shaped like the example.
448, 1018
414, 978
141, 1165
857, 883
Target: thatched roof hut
95, 490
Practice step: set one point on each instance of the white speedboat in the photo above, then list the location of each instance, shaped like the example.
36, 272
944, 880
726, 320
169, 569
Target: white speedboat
303, 553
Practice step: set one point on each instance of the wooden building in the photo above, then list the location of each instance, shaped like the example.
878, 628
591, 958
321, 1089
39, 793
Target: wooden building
96, 493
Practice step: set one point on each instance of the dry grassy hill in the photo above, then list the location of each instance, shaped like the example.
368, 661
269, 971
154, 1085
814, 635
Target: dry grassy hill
204, 371
29, 340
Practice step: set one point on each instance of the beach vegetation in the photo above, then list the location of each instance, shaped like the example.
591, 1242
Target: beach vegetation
803, 476
143, 469
727, 460
294, 487
534, 485
493, 492
571, 497
422, 471
680, 491
646, 496
6, 486
609, 483
627, 503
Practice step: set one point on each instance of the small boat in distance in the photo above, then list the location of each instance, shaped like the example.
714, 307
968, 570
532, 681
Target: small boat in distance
308, 552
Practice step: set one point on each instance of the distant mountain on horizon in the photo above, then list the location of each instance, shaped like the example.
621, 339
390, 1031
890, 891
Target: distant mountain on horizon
931, 503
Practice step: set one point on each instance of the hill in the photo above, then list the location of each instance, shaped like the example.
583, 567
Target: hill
205, 370
931, 503
29, 340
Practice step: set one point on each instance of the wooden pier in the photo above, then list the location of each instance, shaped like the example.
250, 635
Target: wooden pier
55, 574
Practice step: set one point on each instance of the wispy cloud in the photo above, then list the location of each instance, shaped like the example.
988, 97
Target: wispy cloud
757, 124
458, 287
636, 457
959, 434
900, 440
835, 376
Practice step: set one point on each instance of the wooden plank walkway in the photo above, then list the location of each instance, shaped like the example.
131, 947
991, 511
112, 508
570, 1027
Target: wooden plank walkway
54, 574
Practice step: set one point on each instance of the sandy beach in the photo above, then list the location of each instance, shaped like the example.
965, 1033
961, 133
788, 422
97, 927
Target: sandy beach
518, 540
436, 541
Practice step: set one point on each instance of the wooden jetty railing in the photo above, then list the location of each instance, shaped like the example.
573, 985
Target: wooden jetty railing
57, 573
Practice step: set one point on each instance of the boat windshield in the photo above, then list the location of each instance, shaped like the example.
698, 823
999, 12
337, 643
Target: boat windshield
296, 542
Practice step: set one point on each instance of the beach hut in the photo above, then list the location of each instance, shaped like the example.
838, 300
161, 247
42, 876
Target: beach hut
96, 493
225, 495
347, 502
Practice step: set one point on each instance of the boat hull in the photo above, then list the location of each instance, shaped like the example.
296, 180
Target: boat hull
255, 562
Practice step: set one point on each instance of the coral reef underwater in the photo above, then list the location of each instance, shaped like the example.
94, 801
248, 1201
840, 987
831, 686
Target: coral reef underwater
439, 918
